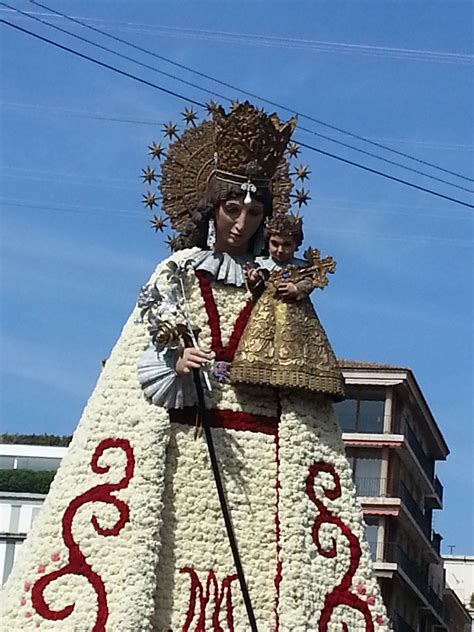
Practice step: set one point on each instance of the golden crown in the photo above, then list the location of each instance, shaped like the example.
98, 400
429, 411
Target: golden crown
249, 144
284, 224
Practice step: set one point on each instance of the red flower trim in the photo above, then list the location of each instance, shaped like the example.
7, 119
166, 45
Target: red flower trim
223, 353
277, 530
77, 564
340, 595
230, 419
202, 595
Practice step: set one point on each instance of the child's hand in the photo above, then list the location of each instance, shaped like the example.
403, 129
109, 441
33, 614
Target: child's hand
287, 290
253, 276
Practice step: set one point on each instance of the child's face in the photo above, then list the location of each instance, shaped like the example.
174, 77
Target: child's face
282, 247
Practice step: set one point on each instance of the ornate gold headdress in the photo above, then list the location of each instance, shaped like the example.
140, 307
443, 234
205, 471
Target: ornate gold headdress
284, 224
249, 145
244, 147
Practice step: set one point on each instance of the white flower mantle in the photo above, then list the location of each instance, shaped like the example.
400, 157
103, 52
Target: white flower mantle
154, 551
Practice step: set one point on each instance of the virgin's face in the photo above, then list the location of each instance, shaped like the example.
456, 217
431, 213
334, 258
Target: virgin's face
236, 224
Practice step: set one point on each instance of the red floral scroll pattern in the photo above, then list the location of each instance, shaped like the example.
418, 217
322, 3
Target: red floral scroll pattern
77, 564
340, 595
226, 353
201, 595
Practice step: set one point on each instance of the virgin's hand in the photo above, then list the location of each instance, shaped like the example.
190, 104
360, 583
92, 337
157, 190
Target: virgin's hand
192, 358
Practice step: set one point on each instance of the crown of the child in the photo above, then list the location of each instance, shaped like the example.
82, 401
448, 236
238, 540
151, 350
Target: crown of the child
284, 224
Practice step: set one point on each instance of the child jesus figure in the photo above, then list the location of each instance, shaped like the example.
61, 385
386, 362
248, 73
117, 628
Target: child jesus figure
284, 343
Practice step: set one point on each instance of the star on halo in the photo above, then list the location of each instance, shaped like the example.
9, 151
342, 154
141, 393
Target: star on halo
158, 223
301, 197
212, 107
156, 150
170, 130
189, 116
293, 150
302, 172
149, 199
172, 241
148, 175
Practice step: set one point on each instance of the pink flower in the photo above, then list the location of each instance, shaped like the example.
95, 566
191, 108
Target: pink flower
26, 586
37, 624
371, 600
55, 557
360, 589
41, 568
379, 620
28, 614
23, 601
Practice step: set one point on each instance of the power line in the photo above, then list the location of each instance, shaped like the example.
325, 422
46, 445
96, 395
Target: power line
107, 116
110, 50
103, 64
385, 175
100, 212
289, 42
180, 96
333, 204
255, 96
205, 90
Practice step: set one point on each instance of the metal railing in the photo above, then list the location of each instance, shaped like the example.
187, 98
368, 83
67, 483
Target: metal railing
436, 602
426, 463
422, 521
438, 488
416, 575
370, 486
392, 552
400, 625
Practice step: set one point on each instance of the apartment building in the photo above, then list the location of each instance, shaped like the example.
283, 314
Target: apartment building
460, 578
393, 443
26, 472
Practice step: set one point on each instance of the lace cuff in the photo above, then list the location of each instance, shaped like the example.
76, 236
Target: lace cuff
160, 382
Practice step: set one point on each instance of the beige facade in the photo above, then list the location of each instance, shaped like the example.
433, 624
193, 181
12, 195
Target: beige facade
393, 443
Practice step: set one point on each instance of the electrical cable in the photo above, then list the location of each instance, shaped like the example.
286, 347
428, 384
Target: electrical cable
205, 90
189, 100
208, 91
252, 95
290, 42
103, 64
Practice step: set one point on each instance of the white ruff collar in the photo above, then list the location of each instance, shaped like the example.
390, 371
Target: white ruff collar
222, 266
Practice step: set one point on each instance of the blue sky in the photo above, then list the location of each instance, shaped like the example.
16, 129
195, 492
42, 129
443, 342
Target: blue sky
76, 245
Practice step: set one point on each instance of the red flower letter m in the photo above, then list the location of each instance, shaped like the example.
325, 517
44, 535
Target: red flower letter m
211, 595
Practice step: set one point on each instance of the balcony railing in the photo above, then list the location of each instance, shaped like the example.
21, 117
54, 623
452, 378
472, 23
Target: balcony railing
369, 486
417, 576
436, 602
438, 488
392, 552
421, 520
400, 625
426, 463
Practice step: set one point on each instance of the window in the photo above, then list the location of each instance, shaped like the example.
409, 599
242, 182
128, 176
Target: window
346, 412
366, 466
362, 414
371, 531
371, 416
37, 463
